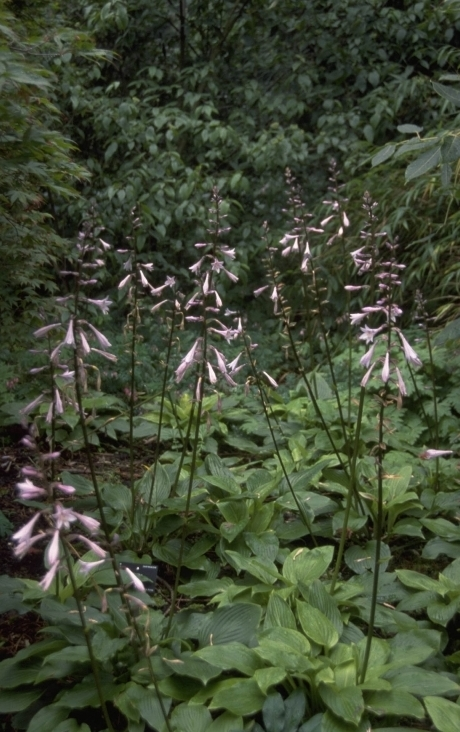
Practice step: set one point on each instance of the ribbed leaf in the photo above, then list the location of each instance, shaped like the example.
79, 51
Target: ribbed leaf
423, 163
346, 703
445, 714
305, 565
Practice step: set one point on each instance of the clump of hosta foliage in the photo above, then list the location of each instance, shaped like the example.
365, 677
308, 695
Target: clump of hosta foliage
292, 519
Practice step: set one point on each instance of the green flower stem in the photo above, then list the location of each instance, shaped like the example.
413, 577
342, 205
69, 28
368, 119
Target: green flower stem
264, 402
378, 543
351, 492
86, 633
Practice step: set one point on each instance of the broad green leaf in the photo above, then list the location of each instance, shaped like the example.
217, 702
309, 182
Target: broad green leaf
226, 722
236, 517
205, 588
196, 668
362, 558
445, 714
331, 723
423, 163
295, 707
285, 648
244, 697
434, 547
346, 703
396, 701
191, 718
154, 486
267, 677
317, 595
440, 612
447, 92
231, 656
47, 718
16, 701
421, 682
273, 713
265, 544
418, 581
316, 625
305, 565
230, 623
346, 673
278, 613
383, 154
86, 694
111, 150
264, 570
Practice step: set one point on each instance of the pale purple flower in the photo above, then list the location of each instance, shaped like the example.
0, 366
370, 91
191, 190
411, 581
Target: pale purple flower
212, 373
69, 339
220, 360
53, 548
124, 281
233, 365
326, 220
368, 334
354, 288
102, 340
401, 384
90, 544
86, 567
31, 406
366, 360
357, 317
260, 290
28, 490
367, 376
91, 524
206, 284
108, 356
45, 584
345, 219
270, 380
157, 306
409, 352
144, 279
386, 368
68, 490
63, 517
187, 361
46, 329
170, 281
58, 402
103, 304
431, 454
84, 343
195, 268
24, 534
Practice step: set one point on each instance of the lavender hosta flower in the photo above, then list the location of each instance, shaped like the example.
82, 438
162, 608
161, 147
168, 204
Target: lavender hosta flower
366, 360
211, 373
401, 384
29, 491
101, 339
24, 538
260, 290
270, 380
31, 406
367, 375
69, 339
124, 281
386, 368
103, 304
368, 334
187, 361
105, 354
47, 580
357, 317
410, 354
135, 581
46, 329
432, 454
92, 545
85, 568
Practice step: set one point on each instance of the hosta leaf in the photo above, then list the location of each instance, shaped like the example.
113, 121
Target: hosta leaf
305, 565
230, 623
331, 723
267, 677
362, 558
231, 656
273, 713
265, 544
346, 703
278, 613
191, 718
397, 702
194, 667
445, 714
418, 581
244, 697
226, 722
16, 701
47, 718
440, 613
316, 625
319, 597
262, 569
421, 682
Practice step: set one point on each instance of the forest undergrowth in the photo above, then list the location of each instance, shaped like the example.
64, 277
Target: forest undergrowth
298, 494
